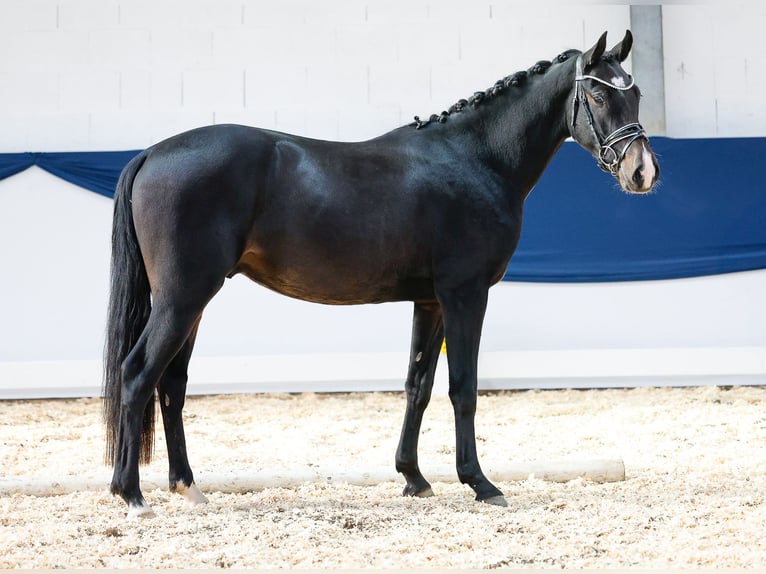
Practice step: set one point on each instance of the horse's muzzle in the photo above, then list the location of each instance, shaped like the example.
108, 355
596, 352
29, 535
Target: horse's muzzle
638, 171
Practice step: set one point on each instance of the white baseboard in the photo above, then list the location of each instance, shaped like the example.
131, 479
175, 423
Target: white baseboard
592, 368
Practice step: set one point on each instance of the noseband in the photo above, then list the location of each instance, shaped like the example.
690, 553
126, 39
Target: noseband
609, 159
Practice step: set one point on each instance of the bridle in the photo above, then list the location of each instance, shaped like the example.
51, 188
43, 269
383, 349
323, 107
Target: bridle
609, 159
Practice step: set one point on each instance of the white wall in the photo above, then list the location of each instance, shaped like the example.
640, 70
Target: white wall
715, 69
121, 74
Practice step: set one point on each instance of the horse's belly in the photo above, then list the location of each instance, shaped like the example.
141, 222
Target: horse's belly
333, 283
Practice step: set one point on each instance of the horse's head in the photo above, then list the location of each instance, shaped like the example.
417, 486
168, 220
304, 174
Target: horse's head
603, 116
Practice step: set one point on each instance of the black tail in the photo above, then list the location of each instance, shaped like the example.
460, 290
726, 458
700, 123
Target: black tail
129, 307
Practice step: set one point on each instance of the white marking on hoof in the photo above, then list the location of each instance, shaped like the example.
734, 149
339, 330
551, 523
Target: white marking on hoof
498, 500
192, 494
140, 511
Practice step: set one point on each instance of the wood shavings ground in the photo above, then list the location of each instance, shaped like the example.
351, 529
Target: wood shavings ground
694, 495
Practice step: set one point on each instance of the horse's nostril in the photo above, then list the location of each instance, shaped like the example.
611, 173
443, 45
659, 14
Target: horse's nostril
638, 177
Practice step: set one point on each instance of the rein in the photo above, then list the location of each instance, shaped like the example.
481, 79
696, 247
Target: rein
609, 159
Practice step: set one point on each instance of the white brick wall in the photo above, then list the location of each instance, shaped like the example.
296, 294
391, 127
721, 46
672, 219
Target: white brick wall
112, 74
92, 75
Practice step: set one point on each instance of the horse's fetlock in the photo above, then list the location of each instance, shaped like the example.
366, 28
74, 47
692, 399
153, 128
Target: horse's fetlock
470, 473
404, 466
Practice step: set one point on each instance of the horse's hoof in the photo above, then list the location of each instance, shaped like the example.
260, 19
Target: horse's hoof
140, 511
192, 494
410, 491
498, 500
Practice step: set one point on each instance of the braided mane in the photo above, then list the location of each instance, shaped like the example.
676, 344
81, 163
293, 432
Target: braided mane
514, 80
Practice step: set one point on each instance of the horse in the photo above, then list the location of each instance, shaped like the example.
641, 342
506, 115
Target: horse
430, 213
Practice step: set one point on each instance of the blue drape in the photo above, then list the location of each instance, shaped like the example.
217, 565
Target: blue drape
95, 171
707, 217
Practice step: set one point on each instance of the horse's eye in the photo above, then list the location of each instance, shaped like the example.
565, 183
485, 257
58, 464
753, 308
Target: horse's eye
597, 99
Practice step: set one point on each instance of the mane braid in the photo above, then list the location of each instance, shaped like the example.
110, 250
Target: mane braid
514, 80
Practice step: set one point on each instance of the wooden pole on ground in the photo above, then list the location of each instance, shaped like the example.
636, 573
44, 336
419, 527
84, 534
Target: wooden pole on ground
599, 471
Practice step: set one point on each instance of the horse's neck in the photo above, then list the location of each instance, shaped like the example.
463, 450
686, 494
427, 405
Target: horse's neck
523, 135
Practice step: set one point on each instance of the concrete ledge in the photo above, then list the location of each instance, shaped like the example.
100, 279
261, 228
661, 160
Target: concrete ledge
591, 368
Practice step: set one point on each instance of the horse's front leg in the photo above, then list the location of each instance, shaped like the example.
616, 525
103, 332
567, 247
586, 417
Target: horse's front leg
464, 309
427, 335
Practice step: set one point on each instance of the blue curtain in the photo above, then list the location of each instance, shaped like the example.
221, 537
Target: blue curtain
707, 217
95, 171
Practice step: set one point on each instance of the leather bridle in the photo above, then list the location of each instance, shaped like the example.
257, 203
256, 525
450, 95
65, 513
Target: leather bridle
609, 159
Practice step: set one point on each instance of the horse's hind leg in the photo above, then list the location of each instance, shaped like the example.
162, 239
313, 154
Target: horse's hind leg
167, 330
172, 395
427, 336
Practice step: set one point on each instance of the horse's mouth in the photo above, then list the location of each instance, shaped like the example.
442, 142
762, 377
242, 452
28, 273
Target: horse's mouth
637, 190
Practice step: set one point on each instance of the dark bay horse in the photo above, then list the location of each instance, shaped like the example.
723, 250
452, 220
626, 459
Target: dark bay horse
429, 212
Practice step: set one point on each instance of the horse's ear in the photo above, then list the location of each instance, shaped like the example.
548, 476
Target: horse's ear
593, 55
621, 50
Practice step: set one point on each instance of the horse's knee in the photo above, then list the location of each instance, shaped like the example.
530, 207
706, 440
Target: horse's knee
463, 401
419, 392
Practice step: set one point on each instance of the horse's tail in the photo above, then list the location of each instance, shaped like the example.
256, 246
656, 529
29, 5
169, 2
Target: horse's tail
129, 307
